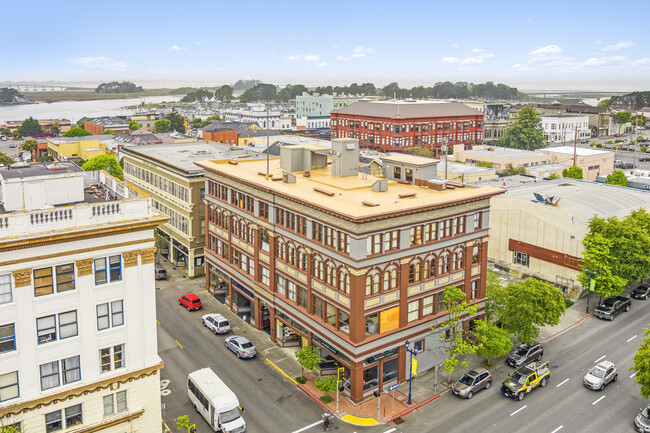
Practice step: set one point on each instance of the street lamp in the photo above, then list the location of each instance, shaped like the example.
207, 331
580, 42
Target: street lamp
412, 353
445, 148
591, 274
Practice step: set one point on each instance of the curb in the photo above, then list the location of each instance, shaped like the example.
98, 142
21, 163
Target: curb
561, 331
324, 406
417, 406
282, 372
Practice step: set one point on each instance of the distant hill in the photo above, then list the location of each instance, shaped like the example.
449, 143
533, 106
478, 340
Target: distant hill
115, 87
244, 85
631, 101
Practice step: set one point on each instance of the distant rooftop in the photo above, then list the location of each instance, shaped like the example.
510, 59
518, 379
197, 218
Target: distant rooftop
25, 170
407, 109
460, 168
404, 158
109, 120
501, 152
580, 151
184, 155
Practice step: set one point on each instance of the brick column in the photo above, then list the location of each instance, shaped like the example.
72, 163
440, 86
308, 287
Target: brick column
356, 382
404, 289
483, 256
357, 298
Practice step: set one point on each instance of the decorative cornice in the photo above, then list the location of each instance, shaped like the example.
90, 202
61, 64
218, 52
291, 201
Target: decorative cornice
84, 267
111, 422
112, 384
130, 258
357, 272
23, 277
148, 255
405, 260
272, 234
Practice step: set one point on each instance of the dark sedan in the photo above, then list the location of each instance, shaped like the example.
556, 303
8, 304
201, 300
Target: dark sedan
641, 292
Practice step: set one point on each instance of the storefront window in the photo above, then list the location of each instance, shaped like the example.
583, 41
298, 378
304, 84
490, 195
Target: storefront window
281, 285
318, 307
302, 297
389, 370
344, 322
372, 324
370, 377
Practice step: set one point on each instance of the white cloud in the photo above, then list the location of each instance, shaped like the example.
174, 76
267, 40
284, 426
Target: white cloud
600, 61
598, 42
642, 61
357, 52
477, 50
472, 60
175, 48
199, 43
450, 60
321, 64
485, 55
549, 49
618, 46
305, 57
342, 58
455, 45
522, 67
157, 72
99, 63
335, 47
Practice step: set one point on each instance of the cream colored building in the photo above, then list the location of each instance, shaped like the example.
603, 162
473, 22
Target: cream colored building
78, 351
532, 238
500, 157
593, 162
465, 173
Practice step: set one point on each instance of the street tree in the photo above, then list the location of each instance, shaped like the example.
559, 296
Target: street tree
525, 132
9, 429
104, 162
574, 172
176, 121
493, 340
326, 384
492, 287
456, 347
597, 257
522, 308
5, 159
29, 145
641, 367
290, 92
420, 151
638, 120
108, 132
604, 103
511, 170
162, 125
308, 359
56, 128
182, 423
133, 126
76, 131
622, 117
160, 243
617, 178
223, 93
30, 127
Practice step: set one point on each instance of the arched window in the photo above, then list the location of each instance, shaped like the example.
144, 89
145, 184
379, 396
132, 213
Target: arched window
344, 281
414, 272
458, 259
430, 267
443, 263
368, 285
372, 282
282, 252
386, 279
291, 255
302, 259
375, 282
318, 268
330, 277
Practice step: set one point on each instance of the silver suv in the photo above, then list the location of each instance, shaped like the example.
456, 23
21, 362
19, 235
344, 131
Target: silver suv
600, 375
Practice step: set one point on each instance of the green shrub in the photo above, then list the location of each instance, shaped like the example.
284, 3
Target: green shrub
326, 399
301, 380
609, 142
599, 145
619, 141
196, 276
568, 302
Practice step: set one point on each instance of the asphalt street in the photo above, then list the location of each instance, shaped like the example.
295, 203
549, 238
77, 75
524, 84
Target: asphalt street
271, 403
564, 405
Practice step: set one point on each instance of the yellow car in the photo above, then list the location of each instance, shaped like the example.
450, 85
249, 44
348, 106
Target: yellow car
525, 379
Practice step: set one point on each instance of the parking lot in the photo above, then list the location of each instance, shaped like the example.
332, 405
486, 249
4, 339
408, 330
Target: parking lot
629, 154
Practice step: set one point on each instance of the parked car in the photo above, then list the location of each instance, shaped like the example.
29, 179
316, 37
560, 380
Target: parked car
600, 375
472, 382
160, 272
216, 323
642, 420
641, 292
524, 379
241, 346
190, 301
584, 141
525, 353
612, 306
618, 135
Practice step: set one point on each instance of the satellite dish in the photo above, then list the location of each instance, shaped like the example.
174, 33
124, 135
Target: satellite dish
539, 197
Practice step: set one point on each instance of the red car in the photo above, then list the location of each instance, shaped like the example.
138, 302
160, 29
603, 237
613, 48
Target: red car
190, 301
618, 135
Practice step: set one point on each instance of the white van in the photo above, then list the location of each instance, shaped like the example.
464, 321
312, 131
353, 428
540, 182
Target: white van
216, 323
215, 401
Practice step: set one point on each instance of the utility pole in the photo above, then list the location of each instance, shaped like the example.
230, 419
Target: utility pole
268, 97
575, 145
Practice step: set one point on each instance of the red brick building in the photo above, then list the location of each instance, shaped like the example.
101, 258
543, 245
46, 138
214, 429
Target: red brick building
98, 125
354, 266
396, 125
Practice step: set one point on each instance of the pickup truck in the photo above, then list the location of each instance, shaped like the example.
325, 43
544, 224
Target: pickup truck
524, 379
612, 306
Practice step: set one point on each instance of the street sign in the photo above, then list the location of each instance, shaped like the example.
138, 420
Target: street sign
393, 387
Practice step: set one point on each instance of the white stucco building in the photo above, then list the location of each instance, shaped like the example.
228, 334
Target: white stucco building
256, 113
77, 320
563, 128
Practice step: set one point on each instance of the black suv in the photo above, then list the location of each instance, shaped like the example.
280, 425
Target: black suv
641, 292
525, 353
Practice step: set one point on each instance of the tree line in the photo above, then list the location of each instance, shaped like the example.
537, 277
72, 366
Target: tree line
116, 87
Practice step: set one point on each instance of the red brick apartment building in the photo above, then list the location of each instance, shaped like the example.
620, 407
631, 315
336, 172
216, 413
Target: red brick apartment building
396, 125
315, 254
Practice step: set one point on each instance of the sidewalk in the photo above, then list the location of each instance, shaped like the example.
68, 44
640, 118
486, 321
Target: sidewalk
425, 387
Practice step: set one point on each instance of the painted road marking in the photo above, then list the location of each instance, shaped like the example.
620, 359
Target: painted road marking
558, 429
519, 410
157, 321
178, 343
561, 383
602, 357
630, 339
391, 430
598, 400
308, 427
632, 375
286, 357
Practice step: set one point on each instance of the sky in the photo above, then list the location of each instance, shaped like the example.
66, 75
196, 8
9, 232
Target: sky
545, 45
